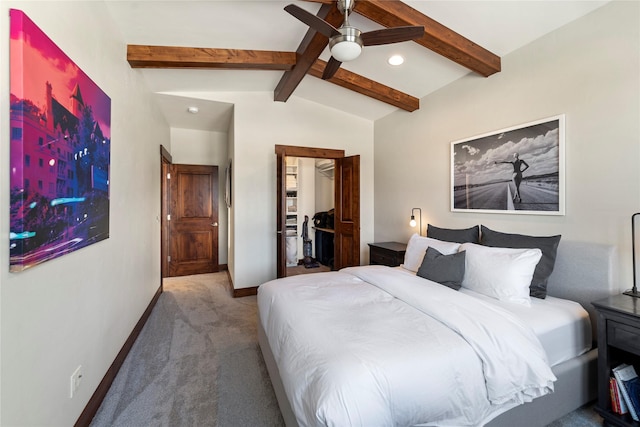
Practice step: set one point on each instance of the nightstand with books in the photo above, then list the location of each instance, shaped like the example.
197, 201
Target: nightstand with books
618, 353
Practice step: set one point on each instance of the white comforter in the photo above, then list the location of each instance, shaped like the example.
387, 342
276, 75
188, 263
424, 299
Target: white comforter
371, 346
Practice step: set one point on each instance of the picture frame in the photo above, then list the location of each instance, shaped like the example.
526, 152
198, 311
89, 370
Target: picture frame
515, 170
59, 153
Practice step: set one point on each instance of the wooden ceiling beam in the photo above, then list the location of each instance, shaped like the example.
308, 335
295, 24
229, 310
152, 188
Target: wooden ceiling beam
367, 87
141, 56
437, 37
389, 13
308, 52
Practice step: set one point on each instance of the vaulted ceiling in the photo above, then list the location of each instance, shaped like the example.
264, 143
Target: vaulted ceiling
216, 46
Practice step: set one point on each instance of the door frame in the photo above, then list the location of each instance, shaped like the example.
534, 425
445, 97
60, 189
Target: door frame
283, 151
165, 162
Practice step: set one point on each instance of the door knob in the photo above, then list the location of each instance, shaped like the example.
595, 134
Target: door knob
214, 224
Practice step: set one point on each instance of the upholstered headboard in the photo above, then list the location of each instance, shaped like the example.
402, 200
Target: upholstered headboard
584, 272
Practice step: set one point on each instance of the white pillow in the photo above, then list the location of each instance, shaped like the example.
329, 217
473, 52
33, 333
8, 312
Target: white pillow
501, 273
417, 247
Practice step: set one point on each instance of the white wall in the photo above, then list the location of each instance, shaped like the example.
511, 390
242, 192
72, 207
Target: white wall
262, 123
259, 125
80, 308
198, 147
590, 71
325, 192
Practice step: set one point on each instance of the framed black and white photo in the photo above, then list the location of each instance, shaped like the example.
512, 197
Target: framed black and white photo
517, 170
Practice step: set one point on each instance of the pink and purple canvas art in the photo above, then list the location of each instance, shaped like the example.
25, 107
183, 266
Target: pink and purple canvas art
60, 151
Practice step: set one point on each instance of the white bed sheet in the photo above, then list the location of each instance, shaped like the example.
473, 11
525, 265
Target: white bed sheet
430, 372
562, 326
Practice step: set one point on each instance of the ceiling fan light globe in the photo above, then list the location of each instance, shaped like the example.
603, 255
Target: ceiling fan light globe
348, 45
345, 51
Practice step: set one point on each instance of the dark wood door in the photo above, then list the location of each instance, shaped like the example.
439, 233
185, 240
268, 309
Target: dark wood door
193, 220
347, 212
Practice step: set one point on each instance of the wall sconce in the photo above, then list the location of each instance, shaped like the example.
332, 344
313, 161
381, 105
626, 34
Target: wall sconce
413, 219
634, 291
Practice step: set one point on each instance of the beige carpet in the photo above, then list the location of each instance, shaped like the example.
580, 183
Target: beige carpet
195, 363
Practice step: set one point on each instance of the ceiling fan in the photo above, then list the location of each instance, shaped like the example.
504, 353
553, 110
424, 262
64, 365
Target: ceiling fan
305, 61
346, 42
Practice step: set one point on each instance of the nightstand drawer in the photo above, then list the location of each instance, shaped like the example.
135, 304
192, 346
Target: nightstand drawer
383, 257
623, 336
387, 253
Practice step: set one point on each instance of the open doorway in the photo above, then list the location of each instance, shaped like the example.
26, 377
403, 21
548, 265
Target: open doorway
310, 213
346, 236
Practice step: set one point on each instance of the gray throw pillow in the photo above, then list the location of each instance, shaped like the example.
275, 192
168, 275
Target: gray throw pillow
447, 270
463, 235
547, 244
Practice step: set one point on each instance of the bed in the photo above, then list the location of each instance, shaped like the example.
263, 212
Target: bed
376, 345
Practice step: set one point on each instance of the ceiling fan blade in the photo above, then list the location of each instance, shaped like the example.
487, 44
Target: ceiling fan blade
331, 68
318, 24
392, 35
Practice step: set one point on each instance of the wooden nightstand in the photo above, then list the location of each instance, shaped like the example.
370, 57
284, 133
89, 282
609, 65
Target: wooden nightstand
387, 253
618, 342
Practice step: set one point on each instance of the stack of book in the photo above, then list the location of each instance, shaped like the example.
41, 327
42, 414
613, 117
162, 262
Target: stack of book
624, 387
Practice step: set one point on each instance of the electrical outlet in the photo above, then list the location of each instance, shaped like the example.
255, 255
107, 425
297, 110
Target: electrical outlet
76, 377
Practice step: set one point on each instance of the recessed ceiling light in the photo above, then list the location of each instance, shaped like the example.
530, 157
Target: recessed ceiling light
193, 110
395, 60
